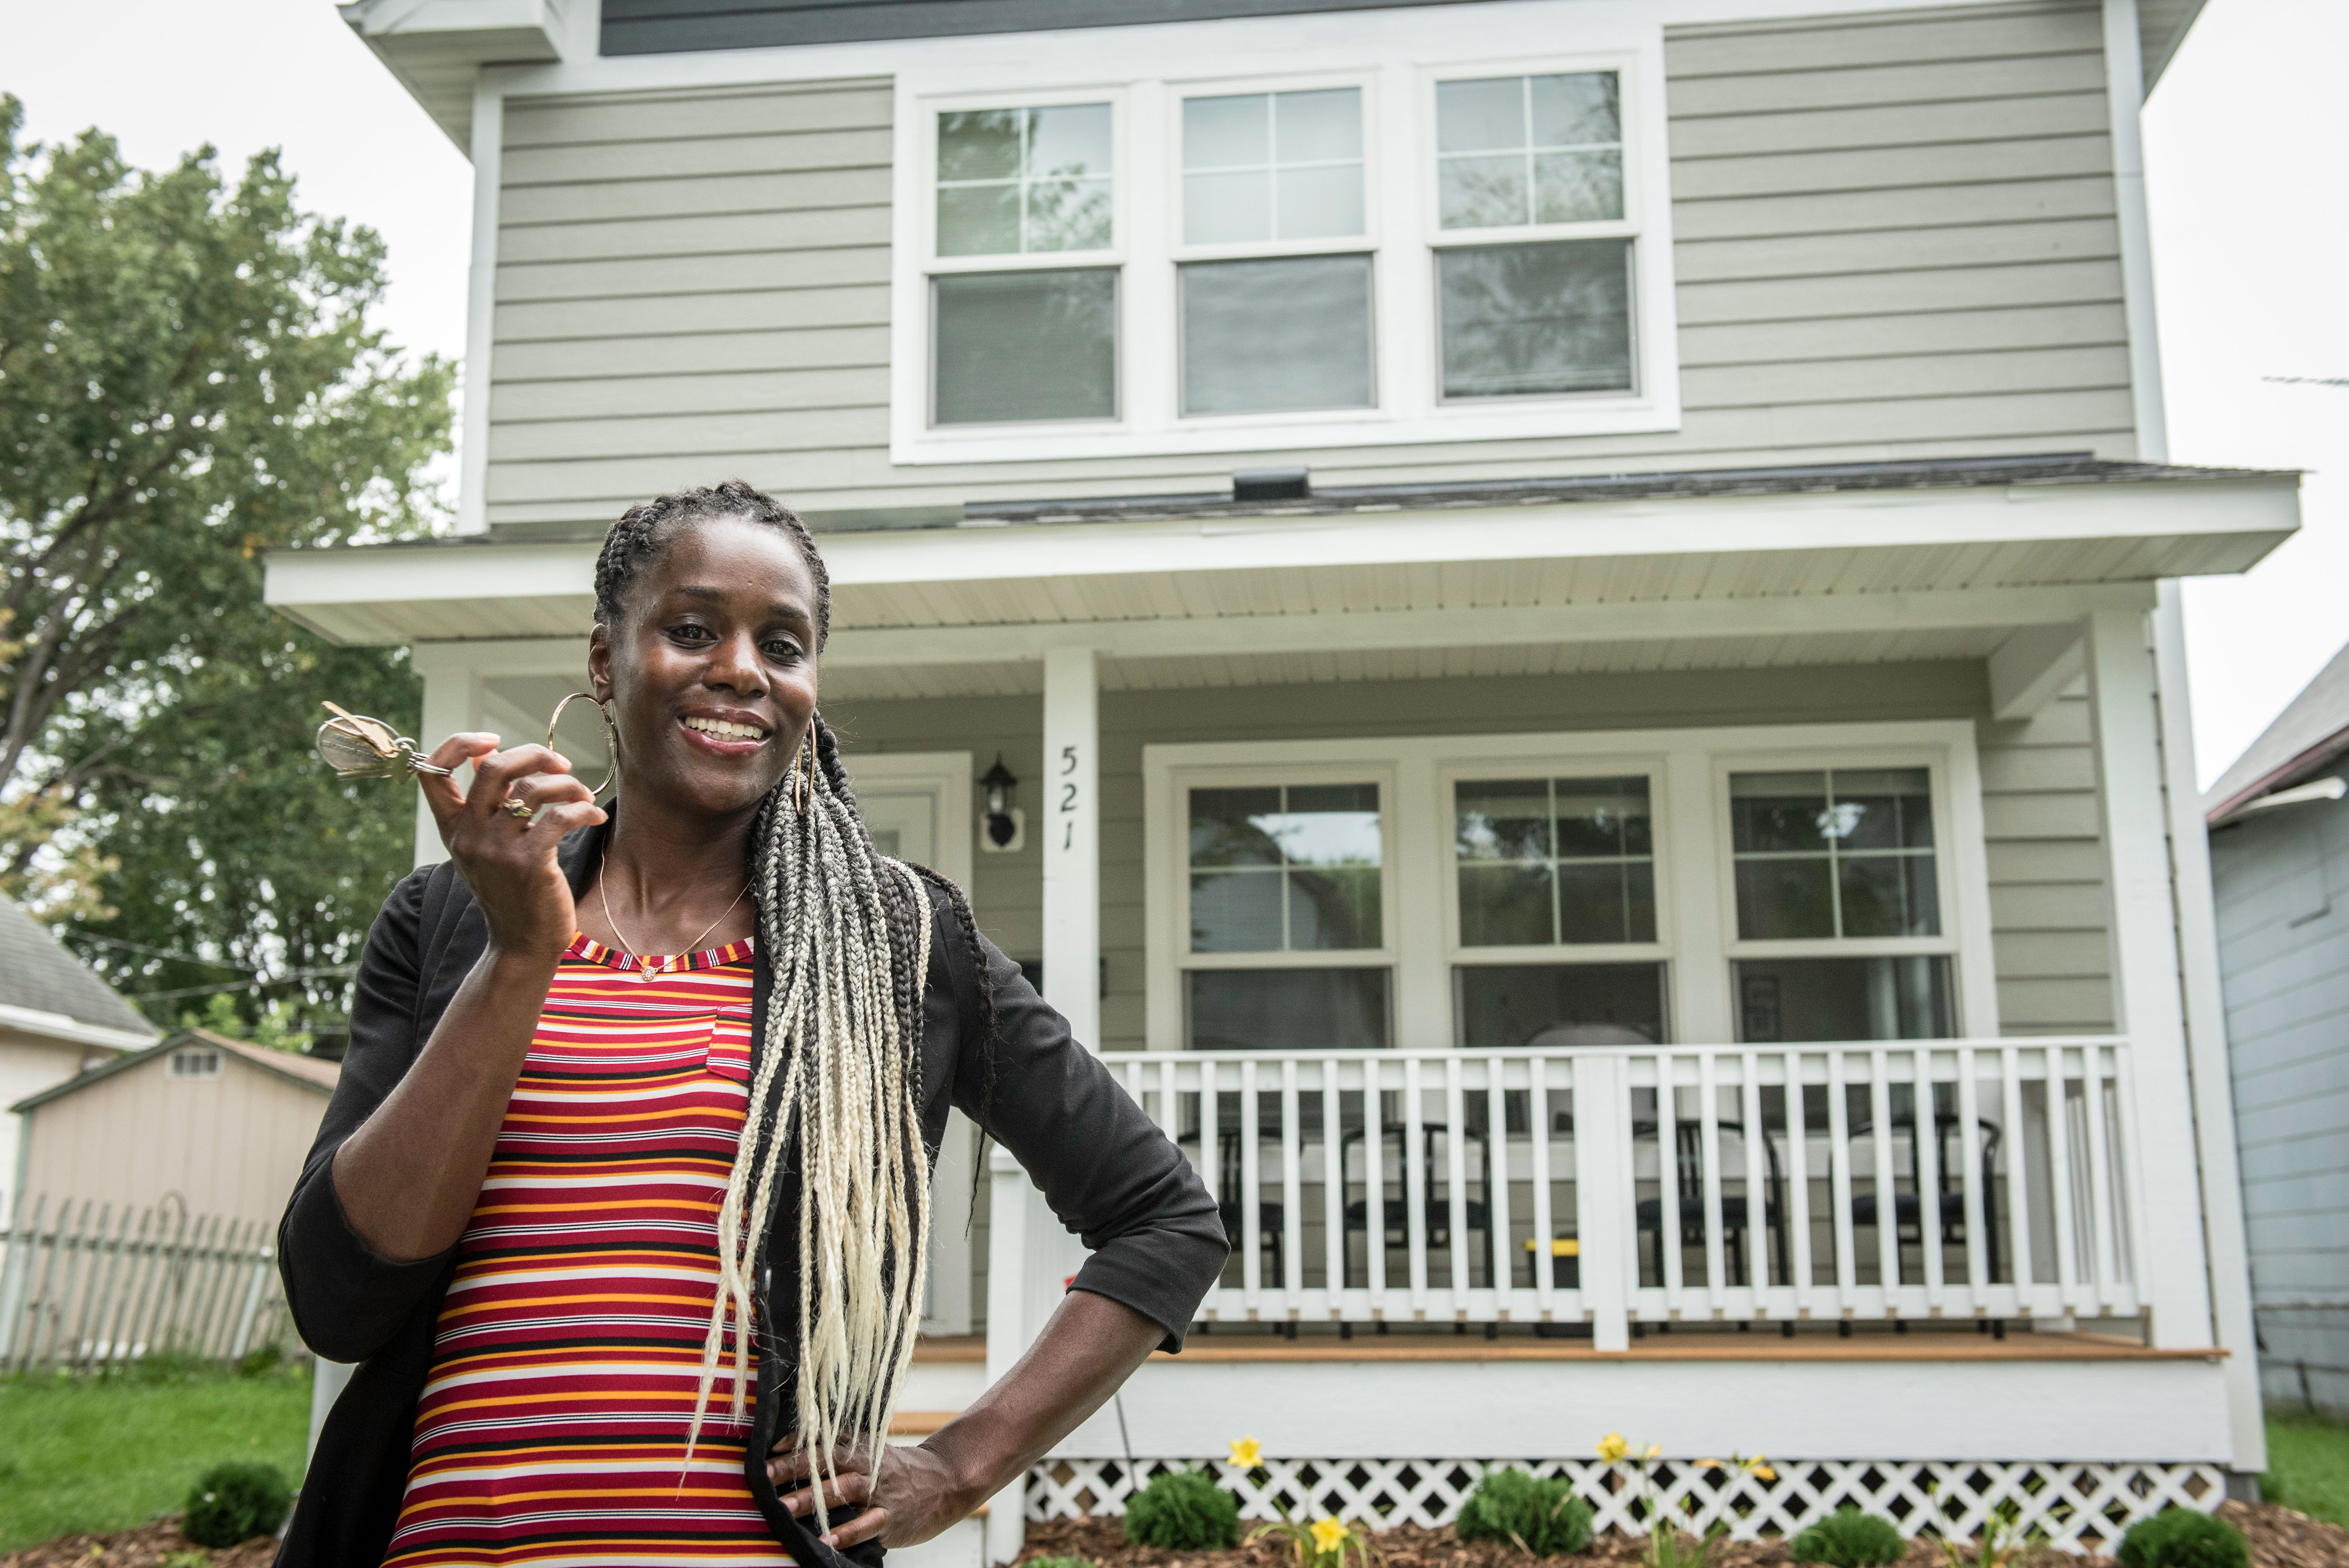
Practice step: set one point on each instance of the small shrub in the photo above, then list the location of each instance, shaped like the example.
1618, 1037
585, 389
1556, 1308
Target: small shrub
1849, 1539
188, 1560
2181, 1538
261, 1360
234, 1502
1541, 1517
1184, 1510
1060, 1563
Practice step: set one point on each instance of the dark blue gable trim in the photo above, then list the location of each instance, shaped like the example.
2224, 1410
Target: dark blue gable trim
676, 27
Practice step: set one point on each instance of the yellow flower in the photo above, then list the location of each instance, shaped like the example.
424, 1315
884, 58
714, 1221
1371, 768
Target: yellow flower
1329, 1534
1764, 1471
1246, 1454
1612, 1447
1654, 1451
1708, 1464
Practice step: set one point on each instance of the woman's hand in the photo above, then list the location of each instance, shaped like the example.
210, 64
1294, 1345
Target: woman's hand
509, 863
917, 1495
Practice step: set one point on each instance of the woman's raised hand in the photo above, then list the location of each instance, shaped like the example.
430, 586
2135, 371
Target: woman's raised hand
507, 862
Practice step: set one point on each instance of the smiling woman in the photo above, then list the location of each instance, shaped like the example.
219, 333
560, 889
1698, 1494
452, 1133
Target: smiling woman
629, 1228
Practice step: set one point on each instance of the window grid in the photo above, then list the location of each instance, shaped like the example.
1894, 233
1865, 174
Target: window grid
1025, 179
1552, 860
1835, 855
1529, 150
1272, 168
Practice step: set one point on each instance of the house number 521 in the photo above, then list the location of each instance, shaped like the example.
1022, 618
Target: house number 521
1068, 798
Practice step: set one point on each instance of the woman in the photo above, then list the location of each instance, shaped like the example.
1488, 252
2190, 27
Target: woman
624, 1084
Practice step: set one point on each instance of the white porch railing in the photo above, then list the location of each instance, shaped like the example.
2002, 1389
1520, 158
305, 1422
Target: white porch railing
1648, 1184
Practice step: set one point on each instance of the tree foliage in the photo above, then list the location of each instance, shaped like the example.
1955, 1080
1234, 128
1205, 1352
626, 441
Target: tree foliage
189, 377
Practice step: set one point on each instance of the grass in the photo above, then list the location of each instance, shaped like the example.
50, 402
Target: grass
111, 1453
2308, 1467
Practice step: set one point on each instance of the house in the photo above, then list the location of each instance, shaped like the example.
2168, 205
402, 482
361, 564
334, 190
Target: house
197, 1122
2280, 859
56, 1019
1580, 599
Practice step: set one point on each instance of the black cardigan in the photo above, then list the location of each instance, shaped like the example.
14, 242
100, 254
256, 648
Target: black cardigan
1110, 1174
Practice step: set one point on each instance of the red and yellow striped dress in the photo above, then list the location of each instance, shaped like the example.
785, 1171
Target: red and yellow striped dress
552, 1426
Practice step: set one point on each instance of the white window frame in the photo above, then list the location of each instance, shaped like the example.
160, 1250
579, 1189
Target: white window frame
1395, 57
1632, 226
1688, 772
1259, 776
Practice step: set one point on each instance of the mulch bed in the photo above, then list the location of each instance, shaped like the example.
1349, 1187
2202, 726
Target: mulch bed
2279, 1538
145, 1547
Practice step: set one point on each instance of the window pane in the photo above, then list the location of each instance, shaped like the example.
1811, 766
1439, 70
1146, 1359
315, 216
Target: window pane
1889, 895
1227, 132
1333, 909
1236, 912
1506, 905
1605, 902
1026, 346
1545, 318
1843, 999
1320, 204
1602, 816
1578, 187
1774, 812
1260, 336
1069, 140
1502, 820
981, 144
1227, 208
1285, 1009
1227, 827
1890, 808
1784, 899
1318, 126
1329, 824
1505, 1006
1575, 110
1486, 115
1068, 216
979, 219
1482, 192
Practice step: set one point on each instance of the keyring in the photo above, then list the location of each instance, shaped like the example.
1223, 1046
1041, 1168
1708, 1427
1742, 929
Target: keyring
611, 731
357, 746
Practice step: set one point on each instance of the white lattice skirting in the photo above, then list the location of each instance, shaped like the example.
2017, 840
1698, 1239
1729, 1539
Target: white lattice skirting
2083, 1507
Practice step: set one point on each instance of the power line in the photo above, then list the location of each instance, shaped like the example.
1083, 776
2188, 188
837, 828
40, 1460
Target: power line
158, 952
343, 970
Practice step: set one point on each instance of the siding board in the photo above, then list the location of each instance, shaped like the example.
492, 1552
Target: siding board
808, 229
1985, 33
1916, 82
1921, 207
692, 274
633, 118
603, 161
1858, 127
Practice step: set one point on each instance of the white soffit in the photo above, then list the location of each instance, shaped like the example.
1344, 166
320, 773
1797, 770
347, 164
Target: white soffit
1664, 551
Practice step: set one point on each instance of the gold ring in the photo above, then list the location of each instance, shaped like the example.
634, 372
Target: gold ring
518, 808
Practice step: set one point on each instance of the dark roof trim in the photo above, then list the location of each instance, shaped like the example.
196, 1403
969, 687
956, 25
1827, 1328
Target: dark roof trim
1951, 473
2313, 760
675, 26
240, 1049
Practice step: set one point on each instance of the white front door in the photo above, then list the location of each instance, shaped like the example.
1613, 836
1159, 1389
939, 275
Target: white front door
917, 805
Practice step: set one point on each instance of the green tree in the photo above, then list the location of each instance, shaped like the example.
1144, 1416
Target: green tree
188, 377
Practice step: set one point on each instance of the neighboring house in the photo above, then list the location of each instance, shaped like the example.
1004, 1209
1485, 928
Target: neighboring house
1582, 594
2280, 858
56, 1019
199, 1123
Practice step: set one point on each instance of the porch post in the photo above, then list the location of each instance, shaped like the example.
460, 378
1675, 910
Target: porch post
453, 701
2164, 1197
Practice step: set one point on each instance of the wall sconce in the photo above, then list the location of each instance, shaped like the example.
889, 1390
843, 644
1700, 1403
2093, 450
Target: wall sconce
1006, 824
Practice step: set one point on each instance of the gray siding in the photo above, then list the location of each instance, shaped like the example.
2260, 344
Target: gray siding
669, 26
2282, 881
2047, 888
1895, 238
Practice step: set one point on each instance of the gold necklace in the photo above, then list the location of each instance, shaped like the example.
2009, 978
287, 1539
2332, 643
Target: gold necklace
645, 971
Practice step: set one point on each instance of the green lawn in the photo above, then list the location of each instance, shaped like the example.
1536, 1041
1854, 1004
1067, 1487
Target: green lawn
2308, 1467
110, 1454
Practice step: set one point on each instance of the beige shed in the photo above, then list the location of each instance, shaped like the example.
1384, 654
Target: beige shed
220, 1125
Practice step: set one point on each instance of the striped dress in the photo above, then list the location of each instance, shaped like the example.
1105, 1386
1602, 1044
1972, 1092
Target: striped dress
552, 1430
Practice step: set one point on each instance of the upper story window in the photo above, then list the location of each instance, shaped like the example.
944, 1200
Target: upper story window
1016, 335
1416, 244
194, 1062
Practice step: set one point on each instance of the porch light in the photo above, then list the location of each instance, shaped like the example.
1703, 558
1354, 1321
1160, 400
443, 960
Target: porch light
1003, 823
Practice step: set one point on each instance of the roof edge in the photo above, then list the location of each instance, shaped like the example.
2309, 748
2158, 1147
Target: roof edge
243, 1050
2312, 760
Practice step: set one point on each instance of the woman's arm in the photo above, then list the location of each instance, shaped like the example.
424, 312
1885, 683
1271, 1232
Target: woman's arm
408, 1178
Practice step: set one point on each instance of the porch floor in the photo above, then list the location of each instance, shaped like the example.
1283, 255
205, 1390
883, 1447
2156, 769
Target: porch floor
1702, 1345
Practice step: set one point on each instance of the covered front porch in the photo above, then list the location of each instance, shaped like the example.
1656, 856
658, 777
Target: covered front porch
1565, 1150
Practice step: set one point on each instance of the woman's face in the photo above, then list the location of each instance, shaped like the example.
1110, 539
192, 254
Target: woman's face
710, 674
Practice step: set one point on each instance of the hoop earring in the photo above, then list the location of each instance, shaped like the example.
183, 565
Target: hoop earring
611, 732
803, 781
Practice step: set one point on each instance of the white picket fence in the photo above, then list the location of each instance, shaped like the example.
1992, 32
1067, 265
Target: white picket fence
1661, 1183
87, 1285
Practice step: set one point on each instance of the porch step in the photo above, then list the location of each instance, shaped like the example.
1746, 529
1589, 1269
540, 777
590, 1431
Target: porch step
962, 1545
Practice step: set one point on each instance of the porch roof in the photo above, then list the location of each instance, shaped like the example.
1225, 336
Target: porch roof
1857, 562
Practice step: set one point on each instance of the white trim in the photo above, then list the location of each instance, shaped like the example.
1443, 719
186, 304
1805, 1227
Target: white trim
72, 1030
947, 774
2033, 667
1393, 55
481, 309
1688, 767
2125, 98
2223, 1225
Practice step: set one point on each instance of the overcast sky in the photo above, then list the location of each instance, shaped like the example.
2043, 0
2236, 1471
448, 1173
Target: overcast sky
2246, 137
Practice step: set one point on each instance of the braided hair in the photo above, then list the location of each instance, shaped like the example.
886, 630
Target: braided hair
846, 932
